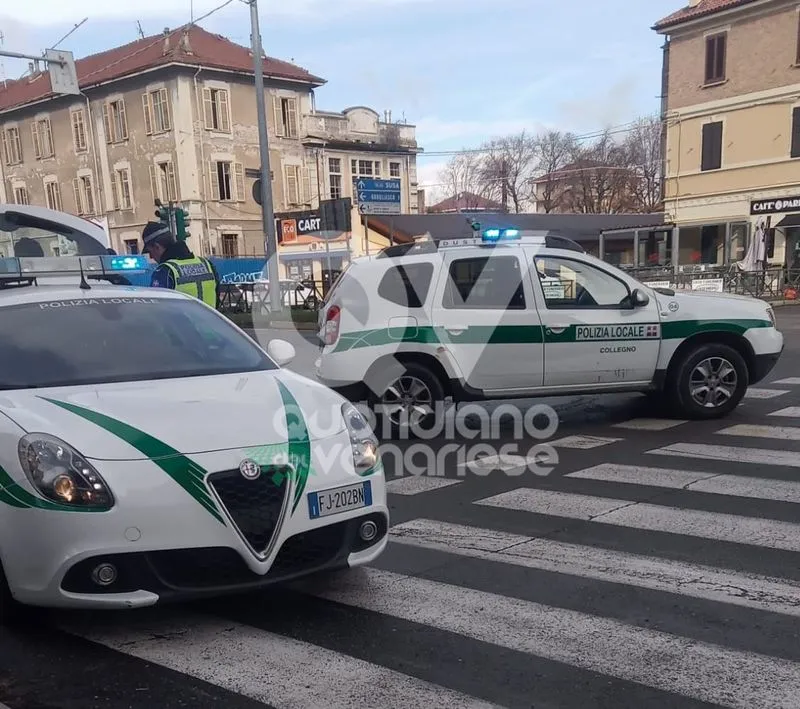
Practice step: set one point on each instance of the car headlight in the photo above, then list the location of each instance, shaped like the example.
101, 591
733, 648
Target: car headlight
61, 474
771, 316
363, 442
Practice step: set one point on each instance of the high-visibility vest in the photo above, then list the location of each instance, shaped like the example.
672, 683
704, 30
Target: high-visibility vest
195, 277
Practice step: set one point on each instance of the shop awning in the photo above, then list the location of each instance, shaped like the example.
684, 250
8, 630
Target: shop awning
790, 220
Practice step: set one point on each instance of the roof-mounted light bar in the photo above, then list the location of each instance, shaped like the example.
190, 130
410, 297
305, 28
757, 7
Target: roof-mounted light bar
37, 266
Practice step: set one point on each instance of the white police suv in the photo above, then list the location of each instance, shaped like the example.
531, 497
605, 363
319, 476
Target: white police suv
150, 450
511, 315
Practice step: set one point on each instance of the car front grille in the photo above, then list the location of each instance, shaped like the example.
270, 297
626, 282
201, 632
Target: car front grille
255, 506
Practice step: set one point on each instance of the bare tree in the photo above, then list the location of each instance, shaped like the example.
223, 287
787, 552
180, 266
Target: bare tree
507, 169
553, 151
462, 178
643, 147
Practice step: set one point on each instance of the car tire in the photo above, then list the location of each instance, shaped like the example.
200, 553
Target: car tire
407, 384
712, 372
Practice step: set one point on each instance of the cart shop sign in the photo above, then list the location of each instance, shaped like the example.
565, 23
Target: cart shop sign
774, 206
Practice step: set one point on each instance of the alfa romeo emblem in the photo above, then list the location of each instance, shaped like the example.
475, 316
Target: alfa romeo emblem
249, 469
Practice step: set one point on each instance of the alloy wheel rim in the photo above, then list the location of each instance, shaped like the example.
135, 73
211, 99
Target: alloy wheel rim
407, 401
713, 382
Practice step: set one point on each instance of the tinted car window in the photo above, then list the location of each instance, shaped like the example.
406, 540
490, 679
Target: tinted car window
407, 285
103, 339
485, 283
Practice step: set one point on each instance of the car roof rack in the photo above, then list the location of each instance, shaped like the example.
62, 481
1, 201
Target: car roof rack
24, 271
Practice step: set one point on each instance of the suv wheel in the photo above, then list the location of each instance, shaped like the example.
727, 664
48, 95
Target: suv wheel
709, 382
409, 402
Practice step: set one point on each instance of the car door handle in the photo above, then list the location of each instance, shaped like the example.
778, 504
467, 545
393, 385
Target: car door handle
556, 329
455, 329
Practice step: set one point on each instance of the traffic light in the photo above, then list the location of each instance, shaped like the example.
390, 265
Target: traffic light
181, 219
163, 214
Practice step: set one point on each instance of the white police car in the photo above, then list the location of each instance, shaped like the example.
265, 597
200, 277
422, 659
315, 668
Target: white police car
510, 315
150, 450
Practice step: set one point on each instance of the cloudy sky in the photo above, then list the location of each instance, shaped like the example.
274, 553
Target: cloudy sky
462, 71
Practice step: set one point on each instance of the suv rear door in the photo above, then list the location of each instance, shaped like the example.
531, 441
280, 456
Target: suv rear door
483, 312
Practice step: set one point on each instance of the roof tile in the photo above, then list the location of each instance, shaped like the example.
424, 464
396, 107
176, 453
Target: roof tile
200, 48
703, 8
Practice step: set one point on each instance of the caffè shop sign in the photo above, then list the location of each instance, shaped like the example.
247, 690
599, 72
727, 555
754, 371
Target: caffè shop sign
775, 205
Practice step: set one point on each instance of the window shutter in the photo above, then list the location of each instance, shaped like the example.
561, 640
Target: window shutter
214, 181
154, 182
48, 148
123, 121
147, 108
172, 182
115, 190
76, 191
292, 106
795, 133
88, 187
37, 144
276, 111
107, 123
6, 148
166, 112
239, 178
306, 197
224, 118
712, 146
291, 184
208, 109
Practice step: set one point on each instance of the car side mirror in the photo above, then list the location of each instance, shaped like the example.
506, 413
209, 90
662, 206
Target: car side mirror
281, 351
639, 298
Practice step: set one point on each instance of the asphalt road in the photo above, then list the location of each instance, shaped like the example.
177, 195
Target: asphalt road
655, 565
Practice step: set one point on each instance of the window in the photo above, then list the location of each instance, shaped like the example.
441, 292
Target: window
120, 339
227, 181
573, 284
492, 282
79, 141
52, 194
230, 245
121, 189
716, 46
20, 194
163, 183
131, 246
155, 105
365, 168
216, 110
335, 177
285, 116
12, 146
394, 169
711, 158
795, 148
115, 122
298, 184
407, 285
42, 134
84, 195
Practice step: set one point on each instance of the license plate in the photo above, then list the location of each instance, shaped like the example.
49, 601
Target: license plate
340, 499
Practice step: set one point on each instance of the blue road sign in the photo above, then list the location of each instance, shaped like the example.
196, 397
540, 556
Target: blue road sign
378, 196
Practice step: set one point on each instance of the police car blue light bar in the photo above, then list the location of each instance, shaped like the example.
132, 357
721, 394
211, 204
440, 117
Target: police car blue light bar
494, 235
36, 266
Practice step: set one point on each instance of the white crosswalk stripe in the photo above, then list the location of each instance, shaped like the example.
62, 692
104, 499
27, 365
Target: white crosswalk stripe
755, 393
788, 412
526, 530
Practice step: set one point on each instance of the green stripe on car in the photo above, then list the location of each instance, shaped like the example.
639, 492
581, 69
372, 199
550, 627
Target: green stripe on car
299, 443
531, 334
184, 471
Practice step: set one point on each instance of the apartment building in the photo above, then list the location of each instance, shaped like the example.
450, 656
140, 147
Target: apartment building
731, 107
173, 117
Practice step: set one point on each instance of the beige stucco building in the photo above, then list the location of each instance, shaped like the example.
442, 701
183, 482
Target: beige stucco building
732, 117
174, 118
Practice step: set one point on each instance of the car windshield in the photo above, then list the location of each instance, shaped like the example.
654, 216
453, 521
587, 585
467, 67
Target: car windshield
104, 339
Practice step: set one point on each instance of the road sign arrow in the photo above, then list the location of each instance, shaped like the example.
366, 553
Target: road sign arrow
361, 184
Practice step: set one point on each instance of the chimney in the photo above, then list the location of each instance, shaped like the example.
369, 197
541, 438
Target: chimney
186, 47
166, 41
694, 3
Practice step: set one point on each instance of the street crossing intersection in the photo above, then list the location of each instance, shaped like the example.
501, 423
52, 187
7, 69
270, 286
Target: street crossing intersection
657, 566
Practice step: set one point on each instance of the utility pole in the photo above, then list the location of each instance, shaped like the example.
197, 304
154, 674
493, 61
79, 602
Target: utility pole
267, 210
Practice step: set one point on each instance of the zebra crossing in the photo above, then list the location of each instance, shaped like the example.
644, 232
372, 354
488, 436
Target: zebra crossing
617, 583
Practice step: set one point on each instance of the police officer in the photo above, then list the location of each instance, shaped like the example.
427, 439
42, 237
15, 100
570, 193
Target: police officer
178, 268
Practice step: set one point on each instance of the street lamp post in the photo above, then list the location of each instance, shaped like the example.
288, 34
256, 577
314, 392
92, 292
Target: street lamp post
267, 210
